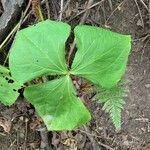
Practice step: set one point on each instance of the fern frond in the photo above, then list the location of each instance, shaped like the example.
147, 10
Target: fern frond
113, 102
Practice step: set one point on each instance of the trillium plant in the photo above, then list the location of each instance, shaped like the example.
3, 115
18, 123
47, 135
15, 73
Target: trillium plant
39, 52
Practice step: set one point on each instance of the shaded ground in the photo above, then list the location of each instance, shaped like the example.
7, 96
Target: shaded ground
99, 133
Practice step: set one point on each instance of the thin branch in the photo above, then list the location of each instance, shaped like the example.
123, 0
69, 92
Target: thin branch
81, 12
143, 3
114, 11
110, 4
30, 12
149, 9
61, 9
66, 5
90, 2
143, 50
105, 146
93, 142
26, 133
139, 12
12, 144
89, 135
48, 9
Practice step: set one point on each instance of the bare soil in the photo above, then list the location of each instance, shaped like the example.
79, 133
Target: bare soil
126, 17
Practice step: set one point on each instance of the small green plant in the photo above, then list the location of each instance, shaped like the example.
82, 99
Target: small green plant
39, 51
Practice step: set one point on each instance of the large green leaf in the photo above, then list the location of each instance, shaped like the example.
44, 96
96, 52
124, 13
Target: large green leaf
39, 50
101, 56
56, 102
8, 87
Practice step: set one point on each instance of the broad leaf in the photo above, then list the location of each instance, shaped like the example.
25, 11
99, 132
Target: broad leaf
39, 50
101, 56
57, 104
8, 87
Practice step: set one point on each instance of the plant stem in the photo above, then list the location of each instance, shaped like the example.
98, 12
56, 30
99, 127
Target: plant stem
89, 4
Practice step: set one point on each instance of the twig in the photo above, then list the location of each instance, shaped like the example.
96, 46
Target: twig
7, 38
26, 133
66, 5
48, 9
17, 140
144, 49
11, 145
139, 12
72, 46
87, 132
114, 11
103, 10
27, 16
110, 4
143, 3
106, 146
90, 134
149, 9
81, 12
36, 8
55, 9
93, 142
44, 138
90, 2
30, 12
40, 13
61, 9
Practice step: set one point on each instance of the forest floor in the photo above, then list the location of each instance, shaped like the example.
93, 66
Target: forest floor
124, 16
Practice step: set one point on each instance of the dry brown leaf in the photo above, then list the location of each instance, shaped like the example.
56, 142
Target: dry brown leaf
147, 147
5, 124
36, 123
70, 142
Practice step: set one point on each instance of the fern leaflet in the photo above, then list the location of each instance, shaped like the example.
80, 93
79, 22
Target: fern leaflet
113, 102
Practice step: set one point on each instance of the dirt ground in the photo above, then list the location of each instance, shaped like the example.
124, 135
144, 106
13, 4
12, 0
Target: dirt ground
127, 17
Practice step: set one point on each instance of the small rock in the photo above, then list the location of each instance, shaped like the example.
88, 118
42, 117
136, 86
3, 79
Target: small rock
147, 85
12, 9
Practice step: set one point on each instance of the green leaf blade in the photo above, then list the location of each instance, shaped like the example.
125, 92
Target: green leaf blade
58, 105
102, 57
8, 87
39, 50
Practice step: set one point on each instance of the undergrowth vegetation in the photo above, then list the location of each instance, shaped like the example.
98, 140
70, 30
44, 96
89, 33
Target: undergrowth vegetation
39, 52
